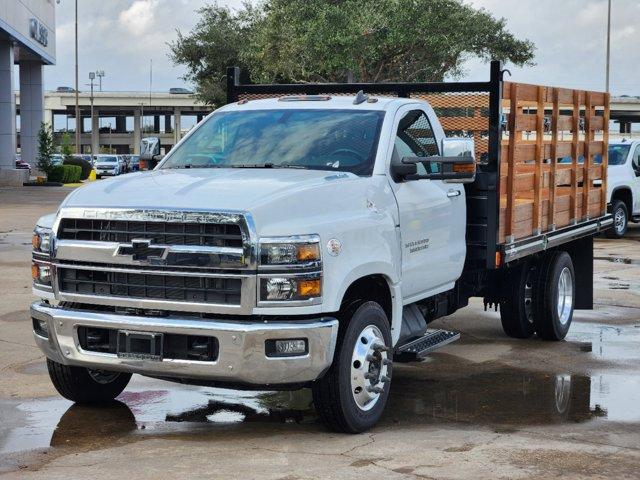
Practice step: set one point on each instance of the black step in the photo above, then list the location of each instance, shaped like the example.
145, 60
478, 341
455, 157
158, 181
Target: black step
430, 341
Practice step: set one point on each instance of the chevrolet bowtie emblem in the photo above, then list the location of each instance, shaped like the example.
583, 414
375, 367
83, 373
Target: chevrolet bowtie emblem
141, 250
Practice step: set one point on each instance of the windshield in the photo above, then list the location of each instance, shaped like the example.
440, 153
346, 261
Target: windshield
342, 140
618, 154
107, 159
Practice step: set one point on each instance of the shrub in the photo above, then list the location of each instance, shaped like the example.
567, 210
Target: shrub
65, 174
45, 149
83, 164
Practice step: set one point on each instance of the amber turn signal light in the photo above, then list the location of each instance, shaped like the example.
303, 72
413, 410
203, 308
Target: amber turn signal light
464, 168
310, 288
310, 252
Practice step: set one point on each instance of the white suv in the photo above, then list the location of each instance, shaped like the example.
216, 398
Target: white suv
623, 184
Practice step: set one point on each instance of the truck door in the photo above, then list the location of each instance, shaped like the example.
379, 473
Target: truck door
432, 213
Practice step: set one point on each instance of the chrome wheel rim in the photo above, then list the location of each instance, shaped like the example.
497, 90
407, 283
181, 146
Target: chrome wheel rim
369, 368
619, 220
103, 377
562, 392
565, 296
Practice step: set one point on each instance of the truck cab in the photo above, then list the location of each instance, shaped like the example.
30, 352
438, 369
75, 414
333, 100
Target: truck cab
623, 185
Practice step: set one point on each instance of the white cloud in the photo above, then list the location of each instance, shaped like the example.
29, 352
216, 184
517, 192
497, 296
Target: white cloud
139, 16
121, 36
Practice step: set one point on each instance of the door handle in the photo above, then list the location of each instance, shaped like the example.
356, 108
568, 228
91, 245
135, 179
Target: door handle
453, 193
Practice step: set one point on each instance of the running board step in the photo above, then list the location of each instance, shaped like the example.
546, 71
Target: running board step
430, 341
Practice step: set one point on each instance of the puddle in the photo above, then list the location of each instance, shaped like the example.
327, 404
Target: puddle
503, 398
626, 261
607, 342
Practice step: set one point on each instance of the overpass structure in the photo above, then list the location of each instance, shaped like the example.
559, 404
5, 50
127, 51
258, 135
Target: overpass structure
118, 120
625, 111
121, 119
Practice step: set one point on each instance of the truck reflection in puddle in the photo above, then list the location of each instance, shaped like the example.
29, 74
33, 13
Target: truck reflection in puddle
502, 399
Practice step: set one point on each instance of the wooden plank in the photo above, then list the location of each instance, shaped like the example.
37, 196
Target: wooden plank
586, 183
555, 116
525, 122
605, 154
574, 155
565, 123
537, 212
597, 123
509, 218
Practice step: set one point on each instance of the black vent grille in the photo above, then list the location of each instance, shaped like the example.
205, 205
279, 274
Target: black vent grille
151, 286
166, 233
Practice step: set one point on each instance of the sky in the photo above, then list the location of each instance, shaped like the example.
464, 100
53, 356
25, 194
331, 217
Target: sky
121, 37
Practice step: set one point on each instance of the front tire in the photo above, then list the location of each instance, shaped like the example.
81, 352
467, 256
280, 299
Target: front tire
620, 220
82, 385
352, 395
554, 296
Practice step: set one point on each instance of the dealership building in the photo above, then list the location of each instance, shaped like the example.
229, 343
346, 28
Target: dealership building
27, 39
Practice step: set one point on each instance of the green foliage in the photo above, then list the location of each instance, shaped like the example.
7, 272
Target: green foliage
66, 147
325, 40
85, 166
46, 148
65, 174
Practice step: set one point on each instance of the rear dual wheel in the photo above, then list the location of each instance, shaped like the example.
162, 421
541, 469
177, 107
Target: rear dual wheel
539, 298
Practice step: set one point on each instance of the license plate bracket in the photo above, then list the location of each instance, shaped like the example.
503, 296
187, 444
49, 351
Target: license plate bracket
140, 345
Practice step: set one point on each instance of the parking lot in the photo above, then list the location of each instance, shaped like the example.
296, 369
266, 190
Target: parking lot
484, 407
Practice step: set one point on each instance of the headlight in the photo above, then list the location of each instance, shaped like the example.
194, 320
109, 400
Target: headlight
41, 273
290, 251
41, 240
283, 288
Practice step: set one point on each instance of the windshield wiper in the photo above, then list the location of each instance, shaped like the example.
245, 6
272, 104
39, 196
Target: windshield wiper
264, 165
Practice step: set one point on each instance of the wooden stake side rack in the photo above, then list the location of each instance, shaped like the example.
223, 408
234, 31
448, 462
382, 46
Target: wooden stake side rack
553, 168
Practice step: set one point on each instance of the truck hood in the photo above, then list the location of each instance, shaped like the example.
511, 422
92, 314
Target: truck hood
215, 189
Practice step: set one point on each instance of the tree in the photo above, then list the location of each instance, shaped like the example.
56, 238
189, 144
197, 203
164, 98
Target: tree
46, 148
66, 148
324, 40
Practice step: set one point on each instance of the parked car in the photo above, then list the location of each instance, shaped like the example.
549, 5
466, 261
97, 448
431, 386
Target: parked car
307, 241
57, 159
134, 162
107, 165
623, 184
180, 91
22, 164
124, 164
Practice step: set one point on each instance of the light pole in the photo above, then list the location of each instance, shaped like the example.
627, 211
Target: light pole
100, 74
92, 76
608, 43
77, 99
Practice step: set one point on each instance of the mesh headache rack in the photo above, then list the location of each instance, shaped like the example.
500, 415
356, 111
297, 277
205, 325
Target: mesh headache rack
541, 155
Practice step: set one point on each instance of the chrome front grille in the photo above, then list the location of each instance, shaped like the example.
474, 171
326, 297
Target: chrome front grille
182, 288
166, 233
169, 260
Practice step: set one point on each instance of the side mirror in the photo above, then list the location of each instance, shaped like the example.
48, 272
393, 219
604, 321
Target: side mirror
460, 169
401, 171
458, 147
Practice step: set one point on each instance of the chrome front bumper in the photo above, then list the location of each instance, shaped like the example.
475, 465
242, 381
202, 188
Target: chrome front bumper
241, 357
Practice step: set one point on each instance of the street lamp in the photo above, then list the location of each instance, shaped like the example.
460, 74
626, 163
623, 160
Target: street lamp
100, 74
608, 43
92, 76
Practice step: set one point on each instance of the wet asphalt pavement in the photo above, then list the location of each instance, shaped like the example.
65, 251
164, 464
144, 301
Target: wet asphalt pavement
484, 407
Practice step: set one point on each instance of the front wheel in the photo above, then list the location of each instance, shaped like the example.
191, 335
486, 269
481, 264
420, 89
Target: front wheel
620, 220
353, 393
82, 385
